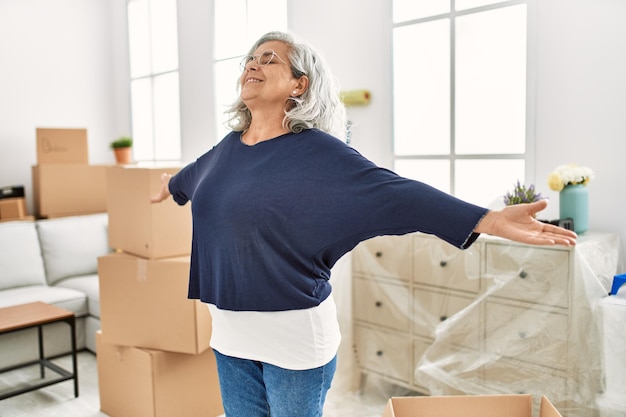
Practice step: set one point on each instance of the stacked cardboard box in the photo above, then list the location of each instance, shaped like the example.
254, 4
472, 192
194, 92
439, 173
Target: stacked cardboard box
64, 183
153, 350
13, 203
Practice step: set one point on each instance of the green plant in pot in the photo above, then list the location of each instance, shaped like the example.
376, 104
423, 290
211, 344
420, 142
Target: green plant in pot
521, 194
122, 147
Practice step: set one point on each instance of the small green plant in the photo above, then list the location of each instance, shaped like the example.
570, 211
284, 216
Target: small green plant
521, 194
122, 142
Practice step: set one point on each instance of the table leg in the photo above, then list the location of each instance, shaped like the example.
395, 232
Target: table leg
42, 368
74, 361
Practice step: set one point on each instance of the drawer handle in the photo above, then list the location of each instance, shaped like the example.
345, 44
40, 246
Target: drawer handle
378, 304
379, 254
443, 263
443, 318
379, 353
523, 274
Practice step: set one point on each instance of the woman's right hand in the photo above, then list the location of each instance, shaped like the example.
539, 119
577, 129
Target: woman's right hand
164, 192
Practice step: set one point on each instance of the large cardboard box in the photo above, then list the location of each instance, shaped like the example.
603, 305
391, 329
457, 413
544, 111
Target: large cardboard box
135, 225
468, 406
62, 146
135, 382
12, 208
143, 303
69, 189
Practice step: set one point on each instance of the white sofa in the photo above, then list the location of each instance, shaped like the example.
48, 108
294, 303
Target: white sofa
54, 261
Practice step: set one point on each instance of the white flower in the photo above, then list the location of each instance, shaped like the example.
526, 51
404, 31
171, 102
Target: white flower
571, 174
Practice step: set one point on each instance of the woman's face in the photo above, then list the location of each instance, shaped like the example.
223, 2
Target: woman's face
269, 81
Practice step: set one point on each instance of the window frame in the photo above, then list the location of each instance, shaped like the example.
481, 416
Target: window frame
528, 155
153, 76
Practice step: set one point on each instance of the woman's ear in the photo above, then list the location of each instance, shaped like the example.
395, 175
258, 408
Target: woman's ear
300, 87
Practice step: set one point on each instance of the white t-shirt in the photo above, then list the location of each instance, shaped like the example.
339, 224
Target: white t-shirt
295, 339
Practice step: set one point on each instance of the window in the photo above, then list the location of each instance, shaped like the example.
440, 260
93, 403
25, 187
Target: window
238, 24
155, 101
460, 95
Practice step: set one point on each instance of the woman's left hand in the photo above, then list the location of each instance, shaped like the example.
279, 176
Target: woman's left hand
518, 223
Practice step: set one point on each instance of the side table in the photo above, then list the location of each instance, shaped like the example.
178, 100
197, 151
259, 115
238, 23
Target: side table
38, 314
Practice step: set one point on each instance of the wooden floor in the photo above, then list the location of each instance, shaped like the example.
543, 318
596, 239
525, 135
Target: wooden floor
58, 400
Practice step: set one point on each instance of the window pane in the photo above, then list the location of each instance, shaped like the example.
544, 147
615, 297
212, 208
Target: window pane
167, 117
238, 24
491, 82
404, 10
230, 31
484, 182
422, 89
226, 79
139, 38
164, 35
432, 172
141, 93
468, 4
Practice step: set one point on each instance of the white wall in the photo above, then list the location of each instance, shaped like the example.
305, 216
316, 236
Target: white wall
355, 38
64, 64
61, 66
581, 101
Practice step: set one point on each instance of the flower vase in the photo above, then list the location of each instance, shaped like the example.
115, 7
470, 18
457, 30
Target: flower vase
574, 203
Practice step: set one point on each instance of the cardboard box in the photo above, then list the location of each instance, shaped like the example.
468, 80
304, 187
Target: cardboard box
25, 218
135, 382
12, 208
62, 146
135, 225
468, 406
143, 303
67, 189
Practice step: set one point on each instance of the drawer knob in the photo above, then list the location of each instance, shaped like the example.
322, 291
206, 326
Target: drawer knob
378, 304
379, 353
443, 318
523, 274
379, 254
443, 263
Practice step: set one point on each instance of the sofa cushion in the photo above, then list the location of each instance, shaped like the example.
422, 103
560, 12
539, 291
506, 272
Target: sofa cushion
67, 298
88, 285
71, 245
20, 256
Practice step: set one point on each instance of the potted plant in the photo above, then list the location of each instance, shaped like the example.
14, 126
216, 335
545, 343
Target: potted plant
122, 147
521, 194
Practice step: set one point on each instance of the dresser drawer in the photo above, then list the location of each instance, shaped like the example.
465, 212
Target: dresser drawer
385, 353
382, 303
520, 378
419, 349
447, 314
446, 369
440, 264
538, 275
387, 257
532, 335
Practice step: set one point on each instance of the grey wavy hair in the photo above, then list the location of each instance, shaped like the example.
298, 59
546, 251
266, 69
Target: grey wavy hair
318, 107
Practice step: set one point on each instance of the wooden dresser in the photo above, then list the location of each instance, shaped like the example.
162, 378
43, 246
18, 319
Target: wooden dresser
499, 317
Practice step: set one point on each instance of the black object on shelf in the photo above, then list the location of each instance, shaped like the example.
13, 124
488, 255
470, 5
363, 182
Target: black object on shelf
12, 191
567, 223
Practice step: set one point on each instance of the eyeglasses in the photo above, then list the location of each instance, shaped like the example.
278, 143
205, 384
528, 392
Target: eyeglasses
264, 58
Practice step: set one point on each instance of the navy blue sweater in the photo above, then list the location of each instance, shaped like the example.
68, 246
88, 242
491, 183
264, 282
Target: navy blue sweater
270, 220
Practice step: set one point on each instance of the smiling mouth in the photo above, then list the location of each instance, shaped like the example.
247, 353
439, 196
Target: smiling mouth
252, 80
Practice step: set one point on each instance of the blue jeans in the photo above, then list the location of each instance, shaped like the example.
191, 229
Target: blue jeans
257, 389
